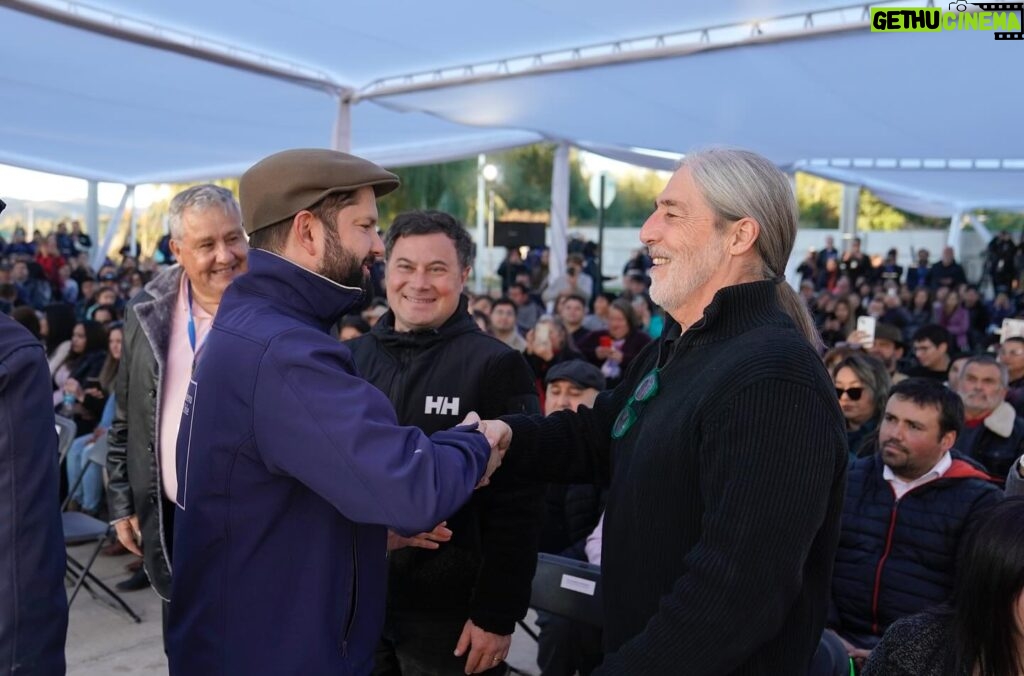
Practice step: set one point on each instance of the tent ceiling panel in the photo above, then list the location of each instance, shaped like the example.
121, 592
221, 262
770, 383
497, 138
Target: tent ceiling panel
87, 105
361, 41
117, 112
854, 94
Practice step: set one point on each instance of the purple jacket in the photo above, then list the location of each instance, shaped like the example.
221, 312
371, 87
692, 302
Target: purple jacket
33, 605
291, 467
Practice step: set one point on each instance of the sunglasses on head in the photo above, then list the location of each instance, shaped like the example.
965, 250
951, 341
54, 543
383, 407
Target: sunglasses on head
854, 393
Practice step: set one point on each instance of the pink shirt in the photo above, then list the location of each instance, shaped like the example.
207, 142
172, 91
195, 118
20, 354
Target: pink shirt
177, 372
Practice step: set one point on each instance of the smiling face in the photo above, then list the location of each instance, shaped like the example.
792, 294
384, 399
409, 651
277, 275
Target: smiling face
211, 248
684, 243
424, 281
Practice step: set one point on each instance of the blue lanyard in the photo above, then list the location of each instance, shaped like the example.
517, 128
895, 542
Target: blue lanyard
191, 320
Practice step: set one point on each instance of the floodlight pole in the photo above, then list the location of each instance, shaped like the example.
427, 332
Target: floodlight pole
481, 223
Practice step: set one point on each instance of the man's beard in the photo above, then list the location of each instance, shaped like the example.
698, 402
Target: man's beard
338, 265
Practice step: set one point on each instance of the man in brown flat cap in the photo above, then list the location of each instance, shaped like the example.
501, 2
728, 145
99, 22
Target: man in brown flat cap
292, 467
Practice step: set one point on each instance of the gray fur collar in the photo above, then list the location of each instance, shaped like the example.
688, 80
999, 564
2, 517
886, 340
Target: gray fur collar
155, 309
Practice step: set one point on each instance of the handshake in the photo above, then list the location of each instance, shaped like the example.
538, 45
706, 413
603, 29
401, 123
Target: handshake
498, 435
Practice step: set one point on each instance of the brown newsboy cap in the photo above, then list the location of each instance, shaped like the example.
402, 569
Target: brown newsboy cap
282, 185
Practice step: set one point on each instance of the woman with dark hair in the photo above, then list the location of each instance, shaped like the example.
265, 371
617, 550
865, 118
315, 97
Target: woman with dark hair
951, 315
80, 371
614, 348
920, 311
88, 495
56, 327
981, 632
862, 386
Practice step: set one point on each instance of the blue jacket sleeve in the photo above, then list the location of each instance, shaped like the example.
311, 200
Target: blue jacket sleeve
317, 421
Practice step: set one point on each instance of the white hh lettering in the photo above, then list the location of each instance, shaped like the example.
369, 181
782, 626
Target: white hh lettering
442, 405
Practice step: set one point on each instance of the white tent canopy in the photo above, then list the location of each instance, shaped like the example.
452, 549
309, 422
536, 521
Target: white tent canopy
105, 104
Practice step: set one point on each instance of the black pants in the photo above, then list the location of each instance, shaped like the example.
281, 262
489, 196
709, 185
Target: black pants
424, 647
566, 646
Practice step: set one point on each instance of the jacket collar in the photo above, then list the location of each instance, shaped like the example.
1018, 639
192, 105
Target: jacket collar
1000, 421
303, 291
154, 308
460, 322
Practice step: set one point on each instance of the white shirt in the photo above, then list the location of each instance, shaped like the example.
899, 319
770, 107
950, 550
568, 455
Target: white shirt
901, 487
593, 546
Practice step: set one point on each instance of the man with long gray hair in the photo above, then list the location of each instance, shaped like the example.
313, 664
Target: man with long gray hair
165, 326
729, 452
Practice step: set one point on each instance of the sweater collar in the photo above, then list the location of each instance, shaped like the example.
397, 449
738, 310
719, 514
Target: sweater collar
734, 310
304, 291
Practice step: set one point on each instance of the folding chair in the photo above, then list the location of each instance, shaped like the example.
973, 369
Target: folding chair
66, 429
81, 528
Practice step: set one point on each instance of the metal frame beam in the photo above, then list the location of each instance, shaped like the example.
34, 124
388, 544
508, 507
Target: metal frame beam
142, 32
911, 164
631, 50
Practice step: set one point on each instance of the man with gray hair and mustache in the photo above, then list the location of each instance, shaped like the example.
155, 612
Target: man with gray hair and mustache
728, 444
993, 432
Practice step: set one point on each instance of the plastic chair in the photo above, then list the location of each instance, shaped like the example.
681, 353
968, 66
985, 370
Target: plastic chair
81, 528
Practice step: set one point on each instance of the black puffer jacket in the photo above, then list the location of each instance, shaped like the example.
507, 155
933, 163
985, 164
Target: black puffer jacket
134, 438
434, 378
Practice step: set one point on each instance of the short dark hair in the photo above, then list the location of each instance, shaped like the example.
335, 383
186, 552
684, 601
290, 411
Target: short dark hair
935, 333
928, 392
575, 296
274, 237
428, 222
504, 300
522, 287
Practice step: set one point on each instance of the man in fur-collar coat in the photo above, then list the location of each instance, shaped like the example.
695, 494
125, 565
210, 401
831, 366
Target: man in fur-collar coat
165, 326
993, 432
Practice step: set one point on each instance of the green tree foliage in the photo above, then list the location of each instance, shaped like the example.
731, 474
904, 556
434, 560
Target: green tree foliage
818, 200
449, 187
1003, 220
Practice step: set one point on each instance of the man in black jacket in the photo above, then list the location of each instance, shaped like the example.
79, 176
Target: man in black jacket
724, 445
432, 361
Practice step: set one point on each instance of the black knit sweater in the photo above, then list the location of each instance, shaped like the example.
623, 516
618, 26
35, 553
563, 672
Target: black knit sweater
725, 496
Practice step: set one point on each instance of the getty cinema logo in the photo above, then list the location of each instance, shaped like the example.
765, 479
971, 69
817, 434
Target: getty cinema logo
1000, 17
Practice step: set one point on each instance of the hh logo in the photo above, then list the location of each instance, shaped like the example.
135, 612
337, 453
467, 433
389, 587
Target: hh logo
442, 405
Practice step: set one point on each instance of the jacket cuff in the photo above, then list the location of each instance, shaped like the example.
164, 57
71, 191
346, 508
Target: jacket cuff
494, 623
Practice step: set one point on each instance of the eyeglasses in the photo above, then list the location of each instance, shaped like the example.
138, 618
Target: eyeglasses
854, 393
645, 390
1011, 353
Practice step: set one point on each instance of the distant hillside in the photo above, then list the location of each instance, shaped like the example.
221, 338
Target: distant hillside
45, 214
